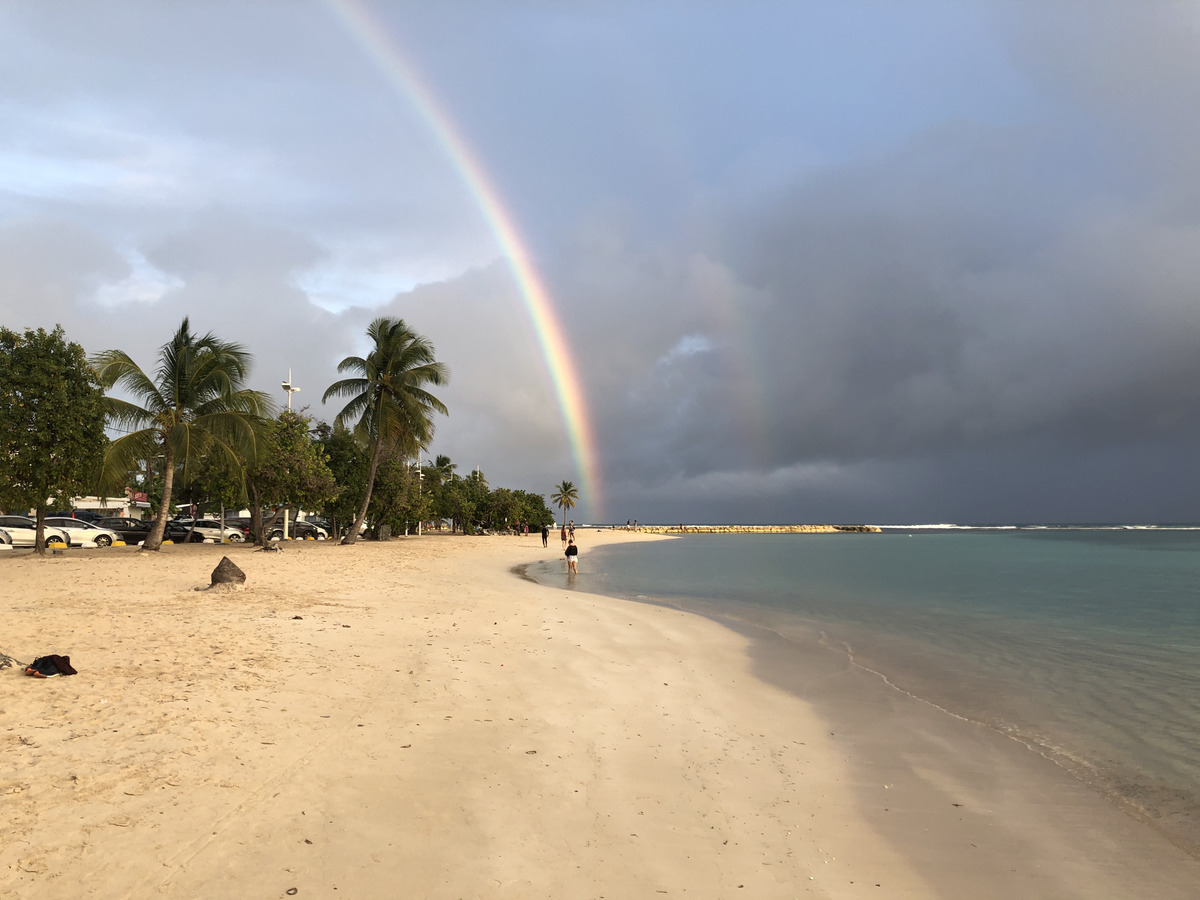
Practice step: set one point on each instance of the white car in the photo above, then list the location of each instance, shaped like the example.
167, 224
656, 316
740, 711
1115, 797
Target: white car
217, 532
84, 534
23, 532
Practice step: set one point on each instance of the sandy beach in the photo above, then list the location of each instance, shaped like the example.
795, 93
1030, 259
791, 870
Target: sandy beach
413, 720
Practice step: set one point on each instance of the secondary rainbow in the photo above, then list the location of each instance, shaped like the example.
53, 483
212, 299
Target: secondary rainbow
386, 54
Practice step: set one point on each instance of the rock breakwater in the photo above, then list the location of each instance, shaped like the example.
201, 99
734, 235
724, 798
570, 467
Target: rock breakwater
757, 529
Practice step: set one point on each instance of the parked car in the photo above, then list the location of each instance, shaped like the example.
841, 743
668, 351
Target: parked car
134, 531
217, 531
84, 534
273, 528
298, 529
22, 531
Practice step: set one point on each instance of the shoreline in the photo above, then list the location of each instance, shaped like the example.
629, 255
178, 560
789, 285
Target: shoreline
1164, 808
412, 717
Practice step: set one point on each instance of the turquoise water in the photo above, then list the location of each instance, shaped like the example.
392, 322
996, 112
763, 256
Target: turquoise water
1082, 643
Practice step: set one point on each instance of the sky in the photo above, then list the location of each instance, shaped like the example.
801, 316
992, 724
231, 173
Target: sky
711, 261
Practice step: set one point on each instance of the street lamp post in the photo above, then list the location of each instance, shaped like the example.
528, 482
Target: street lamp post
291, 389
420, 492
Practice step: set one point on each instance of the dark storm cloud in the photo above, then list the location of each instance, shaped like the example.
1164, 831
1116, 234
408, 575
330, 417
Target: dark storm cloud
936, 322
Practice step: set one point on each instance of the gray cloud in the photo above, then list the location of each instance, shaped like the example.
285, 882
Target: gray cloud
935, 266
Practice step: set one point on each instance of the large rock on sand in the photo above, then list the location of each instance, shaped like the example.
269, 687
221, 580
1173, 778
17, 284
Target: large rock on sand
227, 573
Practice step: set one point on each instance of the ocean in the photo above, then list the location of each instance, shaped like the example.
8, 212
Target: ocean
1081, 642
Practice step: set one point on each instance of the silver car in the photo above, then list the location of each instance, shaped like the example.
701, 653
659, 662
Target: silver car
84, 534
23, 532
217, 532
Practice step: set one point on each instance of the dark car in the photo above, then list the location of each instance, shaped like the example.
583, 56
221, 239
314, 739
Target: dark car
273, 528
134, 531
297, 530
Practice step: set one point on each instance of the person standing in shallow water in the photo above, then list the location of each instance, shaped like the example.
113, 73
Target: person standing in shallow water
545, 536
572, 558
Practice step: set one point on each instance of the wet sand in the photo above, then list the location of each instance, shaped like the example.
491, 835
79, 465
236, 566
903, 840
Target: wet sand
412, 720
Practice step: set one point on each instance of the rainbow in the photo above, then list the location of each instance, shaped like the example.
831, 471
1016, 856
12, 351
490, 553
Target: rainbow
372, 36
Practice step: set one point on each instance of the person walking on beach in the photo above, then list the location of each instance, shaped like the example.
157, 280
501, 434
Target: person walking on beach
545, 535
571, 530
572, 558
563, 534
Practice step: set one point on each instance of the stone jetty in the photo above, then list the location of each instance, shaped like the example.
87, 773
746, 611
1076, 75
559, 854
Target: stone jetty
757, 529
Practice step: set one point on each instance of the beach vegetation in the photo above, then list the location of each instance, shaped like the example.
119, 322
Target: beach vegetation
501, 510
444, 468
290, 470
194, 406
389, 406
347, 459
397, 499
508, 510
211, 483
51, 423
565, 495
464, 499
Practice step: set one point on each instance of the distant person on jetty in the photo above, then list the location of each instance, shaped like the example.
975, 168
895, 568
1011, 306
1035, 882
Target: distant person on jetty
545, 535
572, 557
563, 534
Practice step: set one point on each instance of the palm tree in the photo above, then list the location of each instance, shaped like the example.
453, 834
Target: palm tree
565, 495
195, 405
389, 405
445, 468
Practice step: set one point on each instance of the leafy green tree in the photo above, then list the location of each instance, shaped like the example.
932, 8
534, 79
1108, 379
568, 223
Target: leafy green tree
291, 470
502, 509
51, 422
532, 508
459, 504
474, 491
565, 495
396, 500
348, 460
212, 483
194, 406
389, 405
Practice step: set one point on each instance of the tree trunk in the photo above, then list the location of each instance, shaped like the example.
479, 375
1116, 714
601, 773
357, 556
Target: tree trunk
356, 528
39, 534
256, 518
155, 539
